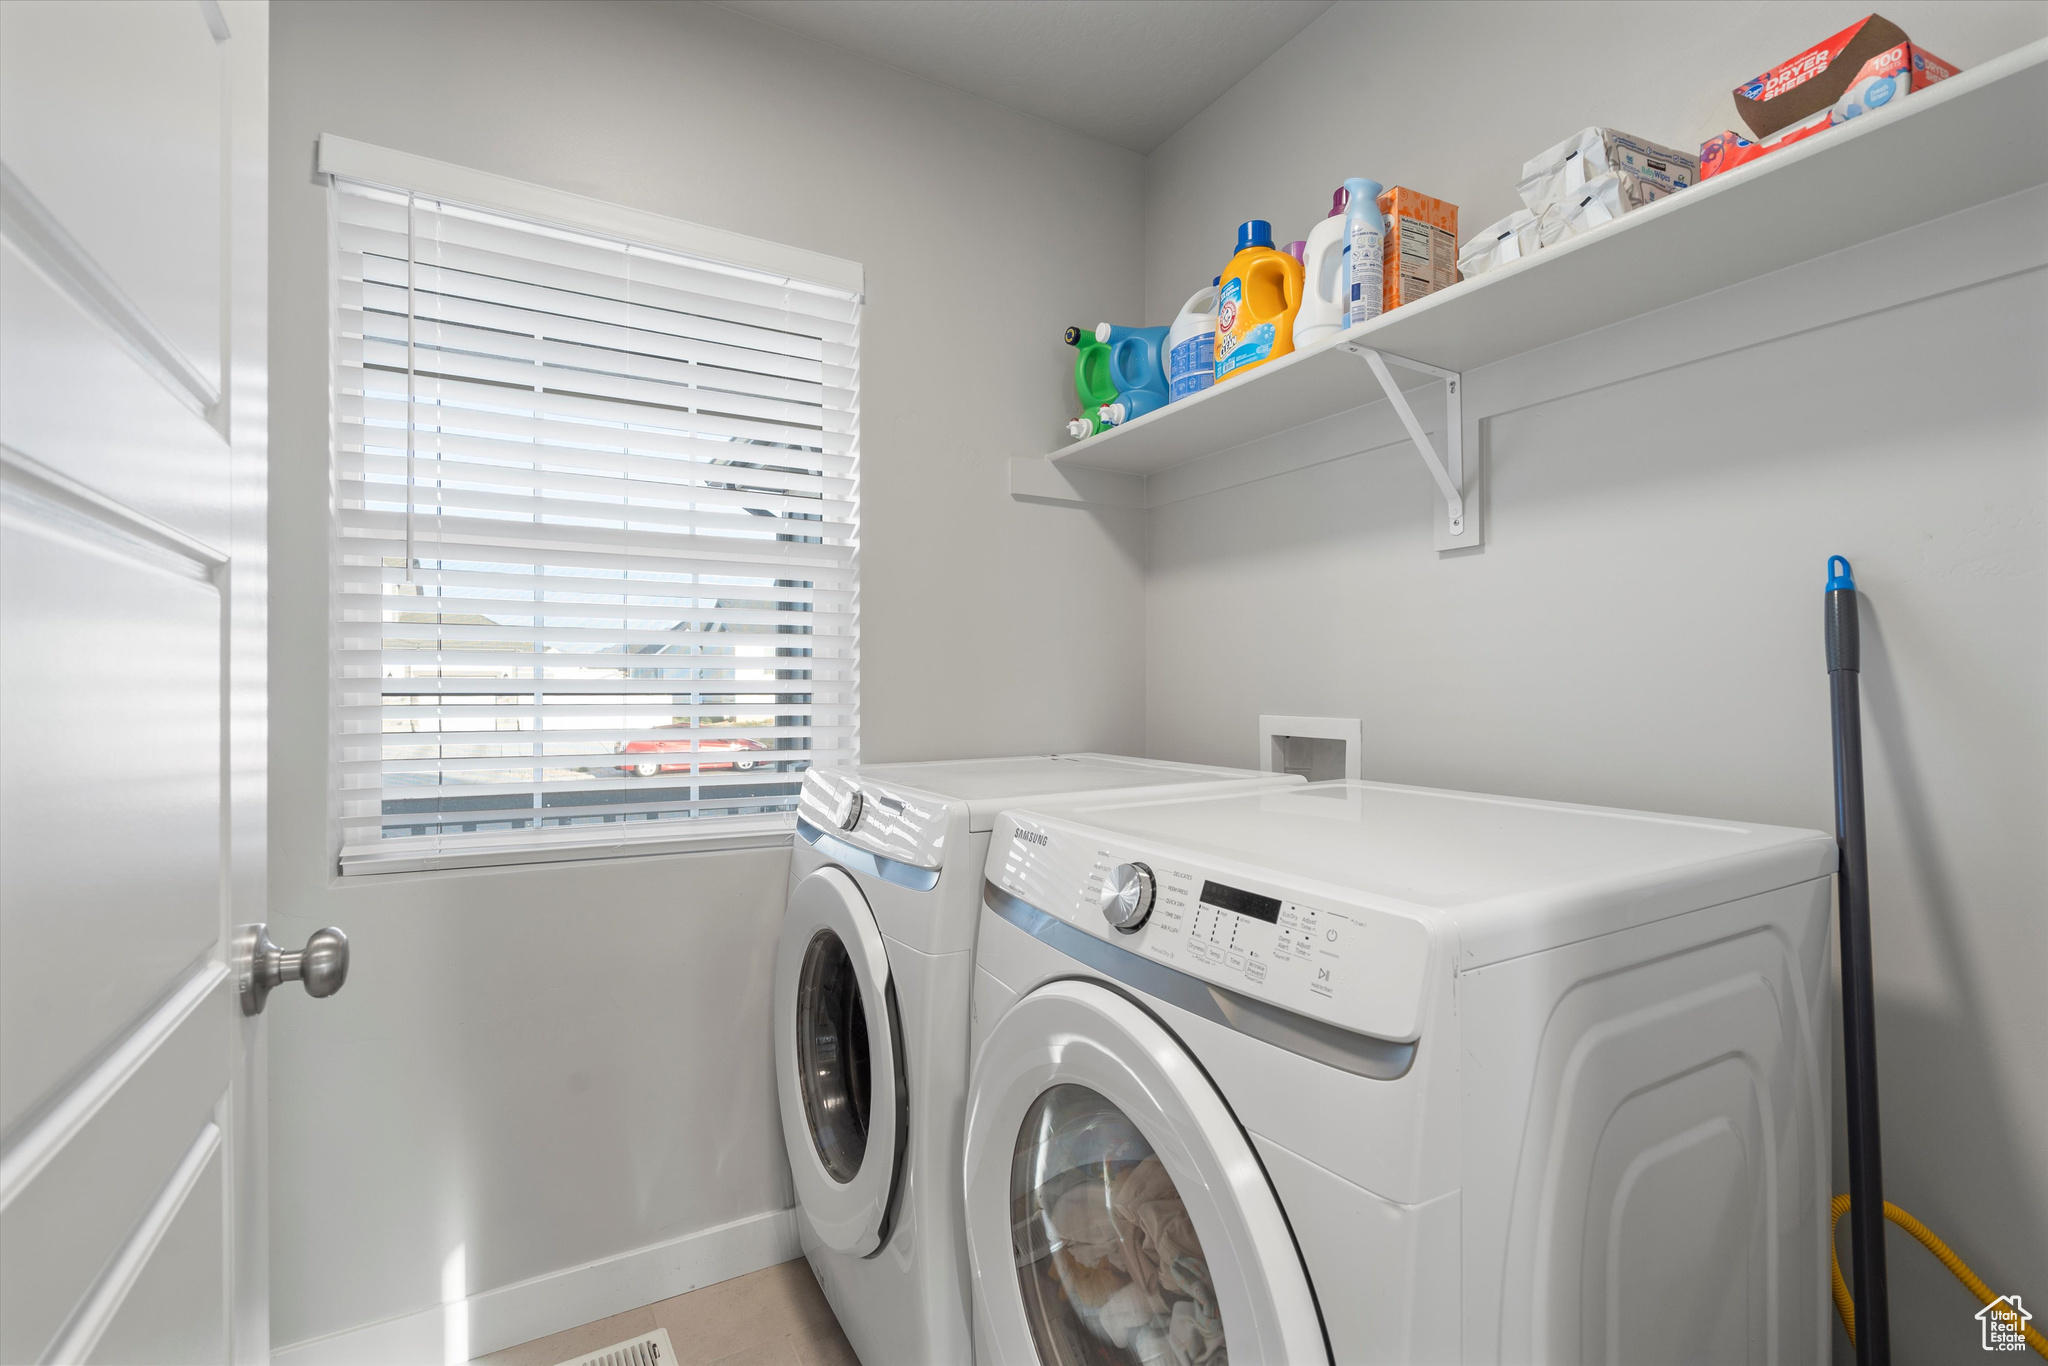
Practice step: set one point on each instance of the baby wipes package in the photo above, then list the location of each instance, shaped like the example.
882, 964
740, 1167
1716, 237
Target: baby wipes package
1599, 201
1508, 240
1647, 171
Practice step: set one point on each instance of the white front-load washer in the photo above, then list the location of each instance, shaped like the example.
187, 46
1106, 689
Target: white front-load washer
873, 976
1361, 1073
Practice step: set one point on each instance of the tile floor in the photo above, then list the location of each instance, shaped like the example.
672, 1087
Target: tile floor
773, 1317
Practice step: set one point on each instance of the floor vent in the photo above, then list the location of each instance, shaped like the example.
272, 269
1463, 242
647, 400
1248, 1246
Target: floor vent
649, 1349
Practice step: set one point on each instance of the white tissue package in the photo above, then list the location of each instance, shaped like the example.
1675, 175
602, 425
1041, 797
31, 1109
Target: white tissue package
1508, 240
1647, 171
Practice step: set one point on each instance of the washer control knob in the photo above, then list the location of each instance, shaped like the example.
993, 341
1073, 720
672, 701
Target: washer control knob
1127, 896
846, 811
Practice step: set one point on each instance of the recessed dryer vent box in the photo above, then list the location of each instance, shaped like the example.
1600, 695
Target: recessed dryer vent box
1318, 748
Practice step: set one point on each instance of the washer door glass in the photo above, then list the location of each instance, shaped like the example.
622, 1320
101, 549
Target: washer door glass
833, 1057
1106, 1255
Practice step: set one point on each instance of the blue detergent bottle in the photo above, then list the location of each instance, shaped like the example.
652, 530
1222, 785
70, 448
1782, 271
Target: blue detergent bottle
1137, 365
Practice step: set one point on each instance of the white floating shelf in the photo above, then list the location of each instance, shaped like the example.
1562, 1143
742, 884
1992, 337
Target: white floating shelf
1966, 141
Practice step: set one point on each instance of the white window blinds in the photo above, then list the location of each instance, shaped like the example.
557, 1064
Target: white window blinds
597, 531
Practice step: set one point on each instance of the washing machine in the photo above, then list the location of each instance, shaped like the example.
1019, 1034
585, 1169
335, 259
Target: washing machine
873, 977
1363, 1073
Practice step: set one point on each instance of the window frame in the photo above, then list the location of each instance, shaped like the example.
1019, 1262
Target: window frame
404, 172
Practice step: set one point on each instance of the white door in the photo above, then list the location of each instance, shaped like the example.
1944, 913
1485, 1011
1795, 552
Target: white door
1115, 1210
839, 1064
132, 395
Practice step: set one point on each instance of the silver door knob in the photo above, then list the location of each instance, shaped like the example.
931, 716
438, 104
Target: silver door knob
1127, 896
260, 965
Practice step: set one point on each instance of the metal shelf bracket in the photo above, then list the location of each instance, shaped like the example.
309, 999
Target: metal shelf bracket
1448, 470
1460, 486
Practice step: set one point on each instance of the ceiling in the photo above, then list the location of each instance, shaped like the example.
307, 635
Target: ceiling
1130, 72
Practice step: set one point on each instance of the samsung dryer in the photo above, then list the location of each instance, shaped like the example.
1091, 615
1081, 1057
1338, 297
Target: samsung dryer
1360, 1073
872, 981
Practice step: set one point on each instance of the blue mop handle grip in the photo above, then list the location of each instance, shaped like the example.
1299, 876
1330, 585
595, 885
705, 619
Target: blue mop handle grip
1844, 647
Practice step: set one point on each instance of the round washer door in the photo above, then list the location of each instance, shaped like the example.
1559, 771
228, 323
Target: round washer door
839, 1063
1115, 1211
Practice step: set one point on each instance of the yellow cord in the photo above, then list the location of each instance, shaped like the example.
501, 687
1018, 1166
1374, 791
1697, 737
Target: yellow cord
1959, 1268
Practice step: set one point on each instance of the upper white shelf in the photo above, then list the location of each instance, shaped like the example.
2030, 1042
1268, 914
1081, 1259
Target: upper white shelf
1971, 139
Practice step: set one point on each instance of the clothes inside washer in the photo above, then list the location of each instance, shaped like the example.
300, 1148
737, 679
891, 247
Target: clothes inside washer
1111, 1269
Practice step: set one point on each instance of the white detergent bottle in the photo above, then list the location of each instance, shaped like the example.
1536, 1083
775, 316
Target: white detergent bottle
1324, 285
1191, 346
1365, 243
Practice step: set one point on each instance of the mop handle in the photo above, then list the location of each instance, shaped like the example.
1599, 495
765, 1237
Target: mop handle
1859, 1018
1845, 646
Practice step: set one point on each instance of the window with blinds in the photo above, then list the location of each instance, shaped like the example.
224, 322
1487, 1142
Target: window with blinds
597, 529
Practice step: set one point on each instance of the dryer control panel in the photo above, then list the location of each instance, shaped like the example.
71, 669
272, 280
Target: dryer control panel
899, 823
1356, 966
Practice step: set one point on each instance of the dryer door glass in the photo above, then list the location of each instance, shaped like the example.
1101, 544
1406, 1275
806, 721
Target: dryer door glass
1106, 1255
832, 1056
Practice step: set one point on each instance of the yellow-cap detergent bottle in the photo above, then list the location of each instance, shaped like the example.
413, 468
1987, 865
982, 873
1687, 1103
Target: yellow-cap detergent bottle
1255, 308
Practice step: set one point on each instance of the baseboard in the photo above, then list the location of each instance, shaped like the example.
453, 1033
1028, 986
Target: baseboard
517, 1313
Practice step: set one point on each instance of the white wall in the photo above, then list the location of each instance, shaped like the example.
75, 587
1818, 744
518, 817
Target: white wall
553, 1066
1642, 627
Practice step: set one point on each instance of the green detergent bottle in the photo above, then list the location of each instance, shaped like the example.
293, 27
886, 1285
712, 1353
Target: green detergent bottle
1094, 381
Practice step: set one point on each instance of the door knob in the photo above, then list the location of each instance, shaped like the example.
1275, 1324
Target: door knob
260, 965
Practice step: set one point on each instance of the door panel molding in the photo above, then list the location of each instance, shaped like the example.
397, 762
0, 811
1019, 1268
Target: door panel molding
78, 402
61, 502
36, 234
86, 1327
24, 1159
69, 1224
119, 117
115, 785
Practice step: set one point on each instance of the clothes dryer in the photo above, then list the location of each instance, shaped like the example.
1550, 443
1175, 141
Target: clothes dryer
873, 976
1360, 1073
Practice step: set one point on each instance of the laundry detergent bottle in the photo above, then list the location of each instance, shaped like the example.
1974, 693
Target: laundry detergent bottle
1325, 285
1365, 251
1260, 294
1093, 384
1191, 345
1137, 366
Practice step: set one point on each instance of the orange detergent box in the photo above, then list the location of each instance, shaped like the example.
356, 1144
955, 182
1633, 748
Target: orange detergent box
1422, 247
1866, 66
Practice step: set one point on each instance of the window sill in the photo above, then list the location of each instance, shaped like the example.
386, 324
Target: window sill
429, 854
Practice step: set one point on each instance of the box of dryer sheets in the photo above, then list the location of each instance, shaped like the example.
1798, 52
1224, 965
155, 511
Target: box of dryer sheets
1821, 87
1836, 77
1422, 247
